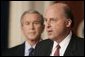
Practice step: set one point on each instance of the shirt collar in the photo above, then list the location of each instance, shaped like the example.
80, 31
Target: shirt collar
64, 42
28, 46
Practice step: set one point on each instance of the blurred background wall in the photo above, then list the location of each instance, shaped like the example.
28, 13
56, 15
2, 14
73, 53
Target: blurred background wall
11, 12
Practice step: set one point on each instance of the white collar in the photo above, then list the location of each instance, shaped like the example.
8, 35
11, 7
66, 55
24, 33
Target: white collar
28, 46
63, 44
64, 41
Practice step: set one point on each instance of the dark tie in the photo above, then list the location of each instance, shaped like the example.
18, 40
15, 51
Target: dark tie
31, 51
57, 51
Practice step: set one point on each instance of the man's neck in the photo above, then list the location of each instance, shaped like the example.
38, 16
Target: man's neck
32, 42
62, 37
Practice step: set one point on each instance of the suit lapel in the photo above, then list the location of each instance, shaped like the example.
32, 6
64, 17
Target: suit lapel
20, 50
45, 48
49, 48
70, 51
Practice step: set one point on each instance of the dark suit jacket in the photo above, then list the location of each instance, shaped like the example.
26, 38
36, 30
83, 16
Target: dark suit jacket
75, 47
15, 51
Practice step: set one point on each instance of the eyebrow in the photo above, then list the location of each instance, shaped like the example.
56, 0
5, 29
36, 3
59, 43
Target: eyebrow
50, 18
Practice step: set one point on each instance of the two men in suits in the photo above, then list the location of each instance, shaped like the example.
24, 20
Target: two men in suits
32, 27
58, 20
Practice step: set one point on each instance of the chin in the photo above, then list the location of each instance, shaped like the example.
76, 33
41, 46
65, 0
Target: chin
51, 37
31, 38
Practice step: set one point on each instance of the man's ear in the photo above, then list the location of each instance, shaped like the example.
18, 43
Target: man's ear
68, 23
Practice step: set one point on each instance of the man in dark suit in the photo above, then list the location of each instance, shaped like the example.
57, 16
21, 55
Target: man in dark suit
32, 27
58, 23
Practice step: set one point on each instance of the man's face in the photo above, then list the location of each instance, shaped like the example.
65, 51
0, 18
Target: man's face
56, 23
31, 26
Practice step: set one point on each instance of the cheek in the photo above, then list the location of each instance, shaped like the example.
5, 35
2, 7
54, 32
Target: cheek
59, 26
25, 29
38, 29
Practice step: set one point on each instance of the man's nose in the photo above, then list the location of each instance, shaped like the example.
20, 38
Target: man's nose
48, 24
32, 26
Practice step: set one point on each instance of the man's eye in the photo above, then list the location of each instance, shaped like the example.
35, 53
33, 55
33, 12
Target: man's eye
45, 20
37, 22
53, 20
27, 23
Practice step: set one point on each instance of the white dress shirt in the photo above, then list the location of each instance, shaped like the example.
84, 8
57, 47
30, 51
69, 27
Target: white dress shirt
63, 44
27, 47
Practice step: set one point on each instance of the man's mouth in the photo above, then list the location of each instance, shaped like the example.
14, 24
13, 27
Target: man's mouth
50, 32
31, 32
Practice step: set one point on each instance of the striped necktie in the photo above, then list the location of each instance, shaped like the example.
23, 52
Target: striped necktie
31, 51
57, 52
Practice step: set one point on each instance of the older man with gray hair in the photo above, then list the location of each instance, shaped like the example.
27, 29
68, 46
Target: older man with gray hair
58, 20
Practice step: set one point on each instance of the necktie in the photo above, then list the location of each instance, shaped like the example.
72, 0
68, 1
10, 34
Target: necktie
57, 51
31, 51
